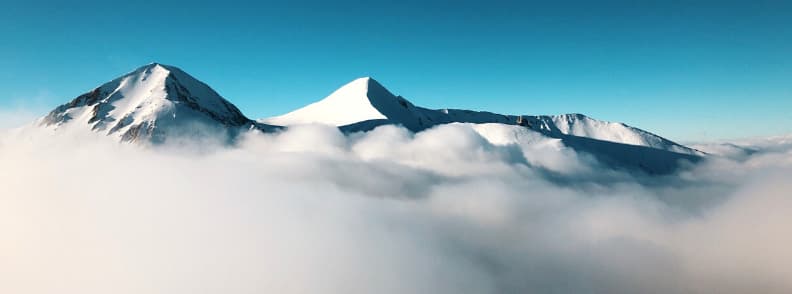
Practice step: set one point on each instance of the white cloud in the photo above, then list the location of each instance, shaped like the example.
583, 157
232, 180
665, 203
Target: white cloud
449, 210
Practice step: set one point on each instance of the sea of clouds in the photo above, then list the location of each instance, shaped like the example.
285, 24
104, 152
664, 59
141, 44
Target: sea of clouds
448, 210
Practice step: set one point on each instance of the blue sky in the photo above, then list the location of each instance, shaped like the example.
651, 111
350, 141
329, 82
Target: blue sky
687, 70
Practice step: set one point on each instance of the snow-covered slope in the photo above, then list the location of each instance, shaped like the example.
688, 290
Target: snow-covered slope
364, 104
352, 99
584, 126
148, 105
555, 154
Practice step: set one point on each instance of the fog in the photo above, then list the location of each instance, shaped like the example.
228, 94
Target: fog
310, 210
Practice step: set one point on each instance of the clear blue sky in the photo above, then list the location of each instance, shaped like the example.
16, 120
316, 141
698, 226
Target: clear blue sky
687, 70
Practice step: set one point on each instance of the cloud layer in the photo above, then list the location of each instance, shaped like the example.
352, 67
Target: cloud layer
455, 209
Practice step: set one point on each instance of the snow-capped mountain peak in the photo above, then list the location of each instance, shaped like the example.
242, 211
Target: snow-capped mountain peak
364, 104
147, 102
362, 99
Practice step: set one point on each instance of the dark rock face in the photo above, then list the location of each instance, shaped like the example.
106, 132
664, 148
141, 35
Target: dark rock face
58, 115
183, 95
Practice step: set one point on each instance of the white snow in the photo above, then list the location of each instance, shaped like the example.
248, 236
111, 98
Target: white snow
583, 126
152, 96
349, 104
364, 104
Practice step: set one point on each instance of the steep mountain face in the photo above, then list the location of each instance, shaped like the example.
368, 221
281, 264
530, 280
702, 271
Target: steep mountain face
364, 104
149, 105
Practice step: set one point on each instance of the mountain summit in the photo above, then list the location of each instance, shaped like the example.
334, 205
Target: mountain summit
148, 103
361, 100
364, 104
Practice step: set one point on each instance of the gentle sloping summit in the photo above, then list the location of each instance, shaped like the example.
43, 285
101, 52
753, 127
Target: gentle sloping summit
148, 103
583, 126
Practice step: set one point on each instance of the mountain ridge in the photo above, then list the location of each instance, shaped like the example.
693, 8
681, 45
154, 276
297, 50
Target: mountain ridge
157, 102
383, 107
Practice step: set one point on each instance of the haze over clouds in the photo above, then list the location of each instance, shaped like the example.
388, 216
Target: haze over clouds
458, 208
10, 118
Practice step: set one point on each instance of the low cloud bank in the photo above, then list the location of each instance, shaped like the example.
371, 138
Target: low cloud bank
454, 209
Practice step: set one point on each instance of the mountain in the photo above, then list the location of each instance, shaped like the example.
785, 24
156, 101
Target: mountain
362, 101
156, 103
150, 104
364, 104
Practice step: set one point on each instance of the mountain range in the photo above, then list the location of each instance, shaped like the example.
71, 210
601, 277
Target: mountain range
157, 101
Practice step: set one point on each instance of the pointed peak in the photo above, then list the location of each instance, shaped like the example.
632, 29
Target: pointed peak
362, 81
359, 85
145, 71
365, 84
374, 85
369, 80
151, 67
157, 64
152, 96
163, 72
